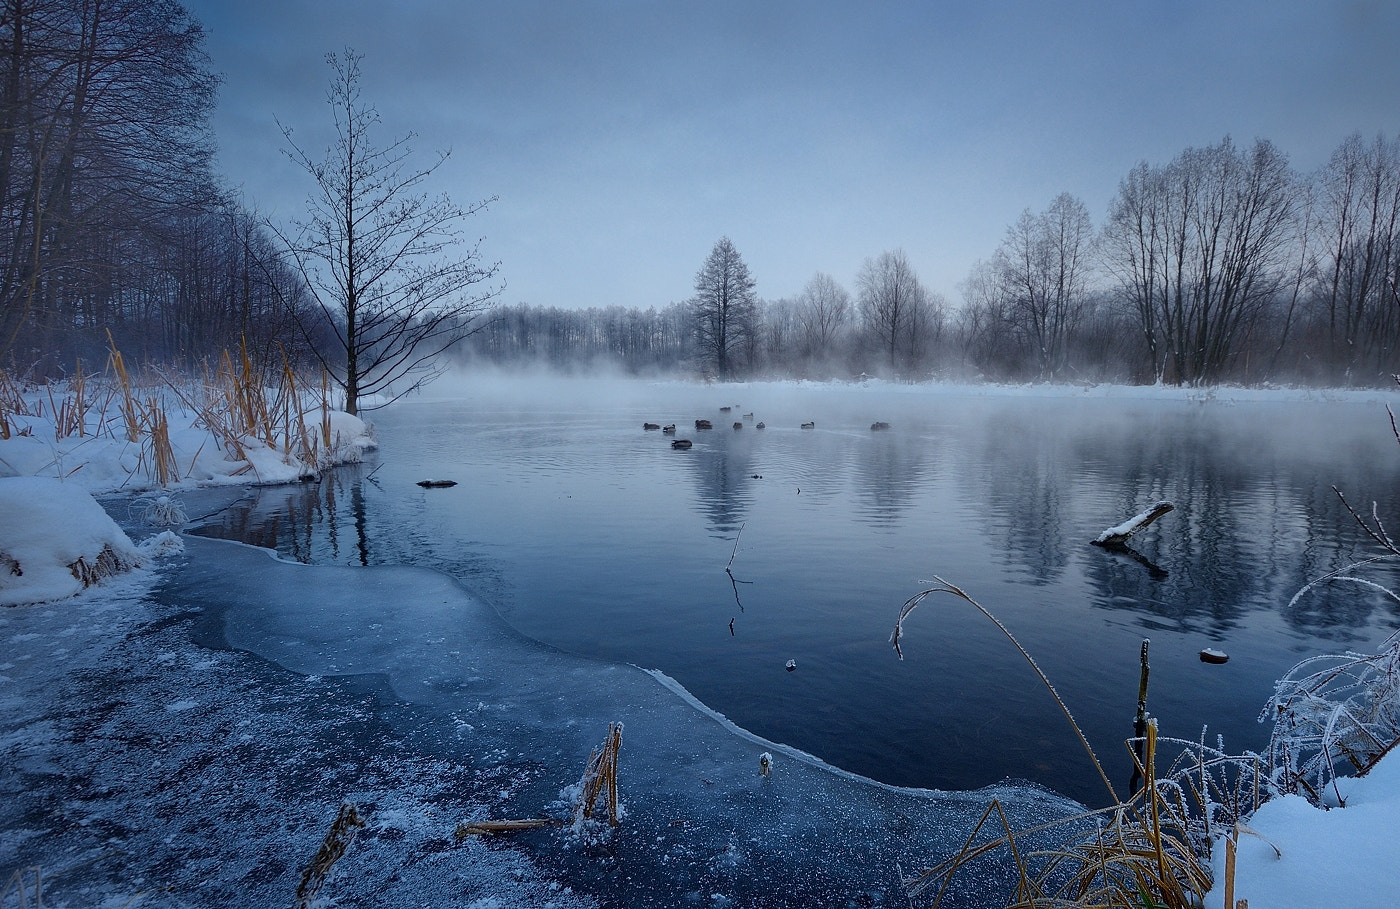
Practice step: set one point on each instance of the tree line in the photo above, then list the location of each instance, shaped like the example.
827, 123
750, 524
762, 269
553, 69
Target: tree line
1221, 265
112, 219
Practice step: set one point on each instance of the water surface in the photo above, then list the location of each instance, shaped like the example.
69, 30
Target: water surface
590, 534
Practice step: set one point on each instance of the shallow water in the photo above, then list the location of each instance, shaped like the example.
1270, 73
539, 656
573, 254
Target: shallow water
590, 534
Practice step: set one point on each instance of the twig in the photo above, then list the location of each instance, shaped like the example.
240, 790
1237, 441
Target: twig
736, 545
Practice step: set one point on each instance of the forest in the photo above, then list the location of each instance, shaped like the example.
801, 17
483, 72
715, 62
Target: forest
1224, 264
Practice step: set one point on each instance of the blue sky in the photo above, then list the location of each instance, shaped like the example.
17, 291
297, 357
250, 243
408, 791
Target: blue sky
624, 138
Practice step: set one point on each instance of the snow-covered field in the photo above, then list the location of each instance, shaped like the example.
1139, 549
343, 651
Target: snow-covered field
147, 750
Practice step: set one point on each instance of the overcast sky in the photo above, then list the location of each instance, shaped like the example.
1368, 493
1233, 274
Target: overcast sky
624, 138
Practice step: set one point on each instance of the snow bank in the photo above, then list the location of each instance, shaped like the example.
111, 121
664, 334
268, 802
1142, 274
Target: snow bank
1343, 858
55, 540
102, 460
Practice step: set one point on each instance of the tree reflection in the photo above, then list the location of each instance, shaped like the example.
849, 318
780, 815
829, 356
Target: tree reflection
890, 474
299, 521
722, 465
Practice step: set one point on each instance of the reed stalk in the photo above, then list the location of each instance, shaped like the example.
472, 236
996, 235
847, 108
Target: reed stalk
338, 839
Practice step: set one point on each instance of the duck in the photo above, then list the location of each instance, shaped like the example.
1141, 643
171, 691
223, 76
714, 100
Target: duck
704, 424
811, 425
669, 429
681, 444
651, 426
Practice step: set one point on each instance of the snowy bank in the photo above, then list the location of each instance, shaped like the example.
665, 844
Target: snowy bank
177, 441
55, 540
1342, 858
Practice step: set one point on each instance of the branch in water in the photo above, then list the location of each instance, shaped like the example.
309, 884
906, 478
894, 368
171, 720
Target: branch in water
1118, 535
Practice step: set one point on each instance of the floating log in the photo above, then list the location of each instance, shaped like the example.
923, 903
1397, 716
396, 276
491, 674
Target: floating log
681, 444
1118, 534
1211, 655
651, 426
436, 484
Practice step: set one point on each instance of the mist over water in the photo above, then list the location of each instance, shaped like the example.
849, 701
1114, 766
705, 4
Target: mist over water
590, 534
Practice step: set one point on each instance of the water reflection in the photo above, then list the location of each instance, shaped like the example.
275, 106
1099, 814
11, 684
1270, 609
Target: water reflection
597, 538
721, 464
891, 474
305, 521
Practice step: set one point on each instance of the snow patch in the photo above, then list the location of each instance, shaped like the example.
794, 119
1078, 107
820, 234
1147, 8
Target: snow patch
55, 540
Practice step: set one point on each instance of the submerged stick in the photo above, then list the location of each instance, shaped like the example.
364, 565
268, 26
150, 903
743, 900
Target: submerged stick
1140, 722
1119, 533
733, 581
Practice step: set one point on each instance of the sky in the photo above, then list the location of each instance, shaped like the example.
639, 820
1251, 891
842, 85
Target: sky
623, 139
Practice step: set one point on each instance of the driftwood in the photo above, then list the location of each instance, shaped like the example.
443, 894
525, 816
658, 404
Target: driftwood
1118, 534
487, 828
436, 484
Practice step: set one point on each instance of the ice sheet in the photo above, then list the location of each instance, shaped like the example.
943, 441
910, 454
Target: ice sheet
141, 759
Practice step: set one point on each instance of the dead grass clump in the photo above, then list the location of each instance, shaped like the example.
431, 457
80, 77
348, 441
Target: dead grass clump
1148, 851
107, 563
600, 781
12, 404
595, 792
1331, 711
338, 839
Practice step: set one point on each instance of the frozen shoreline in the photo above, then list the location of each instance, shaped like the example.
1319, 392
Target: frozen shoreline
198, 728
191, 727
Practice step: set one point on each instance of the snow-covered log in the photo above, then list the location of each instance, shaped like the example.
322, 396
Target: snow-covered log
1118, 534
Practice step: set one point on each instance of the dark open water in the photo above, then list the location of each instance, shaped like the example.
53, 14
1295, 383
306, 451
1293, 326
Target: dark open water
592, 535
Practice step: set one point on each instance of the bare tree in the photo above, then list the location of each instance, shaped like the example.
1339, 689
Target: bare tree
823, 314
1198, 248
724, 308
895, 309
1042, 270
379, 255
104, 148
1357, 293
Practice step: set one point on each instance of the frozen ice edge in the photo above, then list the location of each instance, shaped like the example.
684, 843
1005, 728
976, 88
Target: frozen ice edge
439, 714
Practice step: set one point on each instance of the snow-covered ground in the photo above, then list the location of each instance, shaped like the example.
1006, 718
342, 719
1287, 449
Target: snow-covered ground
187, 730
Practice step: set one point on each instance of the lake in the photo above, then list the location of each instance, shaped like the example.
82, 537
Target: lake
720, 564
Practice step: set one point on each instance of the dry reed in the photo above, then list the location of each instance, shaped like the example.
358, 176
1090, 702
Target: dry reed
596, 791
338, 839
1150, 850
108, 562
600, 780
